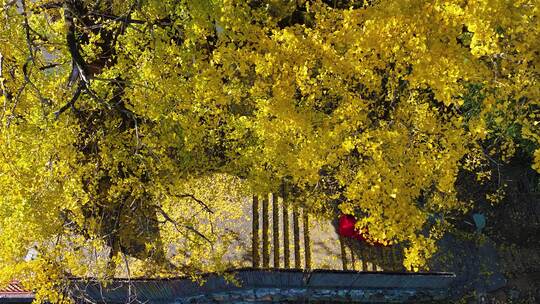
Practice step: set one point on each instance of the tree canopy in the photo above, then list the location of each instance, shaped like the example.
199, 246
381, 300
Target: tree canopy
129, 125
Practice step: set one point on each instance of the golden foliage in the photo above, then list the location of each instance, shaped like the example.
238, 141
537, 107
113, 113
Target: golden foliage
185, 103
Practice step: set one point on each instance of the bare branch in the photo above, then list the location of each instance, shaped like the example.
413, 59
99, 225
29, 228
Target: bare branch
203, 204
10, 3
79, 65
176, 225
15, 103
2, 87
50, 5
71, 103
36, 89
126, 19
29, 41
49, 66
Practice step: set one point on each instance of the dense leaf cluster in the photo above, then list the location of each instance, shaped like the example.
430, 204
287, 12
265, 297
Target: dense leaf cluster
129, 125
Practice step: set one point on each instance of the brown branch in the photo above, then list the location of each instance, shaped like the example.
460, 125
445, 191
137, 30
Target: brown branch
50, 5
126, 19
10, 3
49, 66
15, 103
176, 224
71, 103
29, 41
31, 58
26, 75
2, 87
1, 69
200, 202
79, 65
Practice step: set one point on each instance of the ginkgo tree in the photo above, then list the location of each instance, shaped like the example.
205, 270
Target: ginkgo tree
130, 125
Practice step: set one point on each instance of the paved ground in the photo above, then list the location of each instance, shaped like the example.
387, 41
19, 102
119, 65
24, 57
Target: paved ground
325, 245
495, 266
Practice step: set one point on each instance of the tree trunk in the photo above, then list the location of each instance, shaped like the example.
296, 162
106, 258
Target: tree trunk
256, 259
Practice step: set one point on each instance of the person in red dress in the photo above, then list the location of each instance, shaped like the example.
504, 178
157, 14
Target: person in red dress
346, 228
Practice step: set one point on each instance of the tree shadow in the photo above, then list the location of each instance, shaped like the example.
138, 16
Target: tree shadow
374, 258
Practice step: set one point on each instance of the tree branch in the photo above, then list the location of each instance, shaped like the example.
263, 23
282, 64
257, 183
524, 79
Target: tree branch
36, 89
50, 5
176, 225
79, 65
29, 42
2, 87
71, 103
49, 66
203, 204
163, 21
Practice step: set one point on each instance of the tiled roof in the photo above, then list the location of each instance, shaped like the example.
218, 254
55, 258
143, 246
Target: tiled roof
276, 286
15, 290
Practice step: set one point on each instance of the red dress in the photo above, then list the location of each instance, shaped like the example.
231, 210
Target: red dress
346, 228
